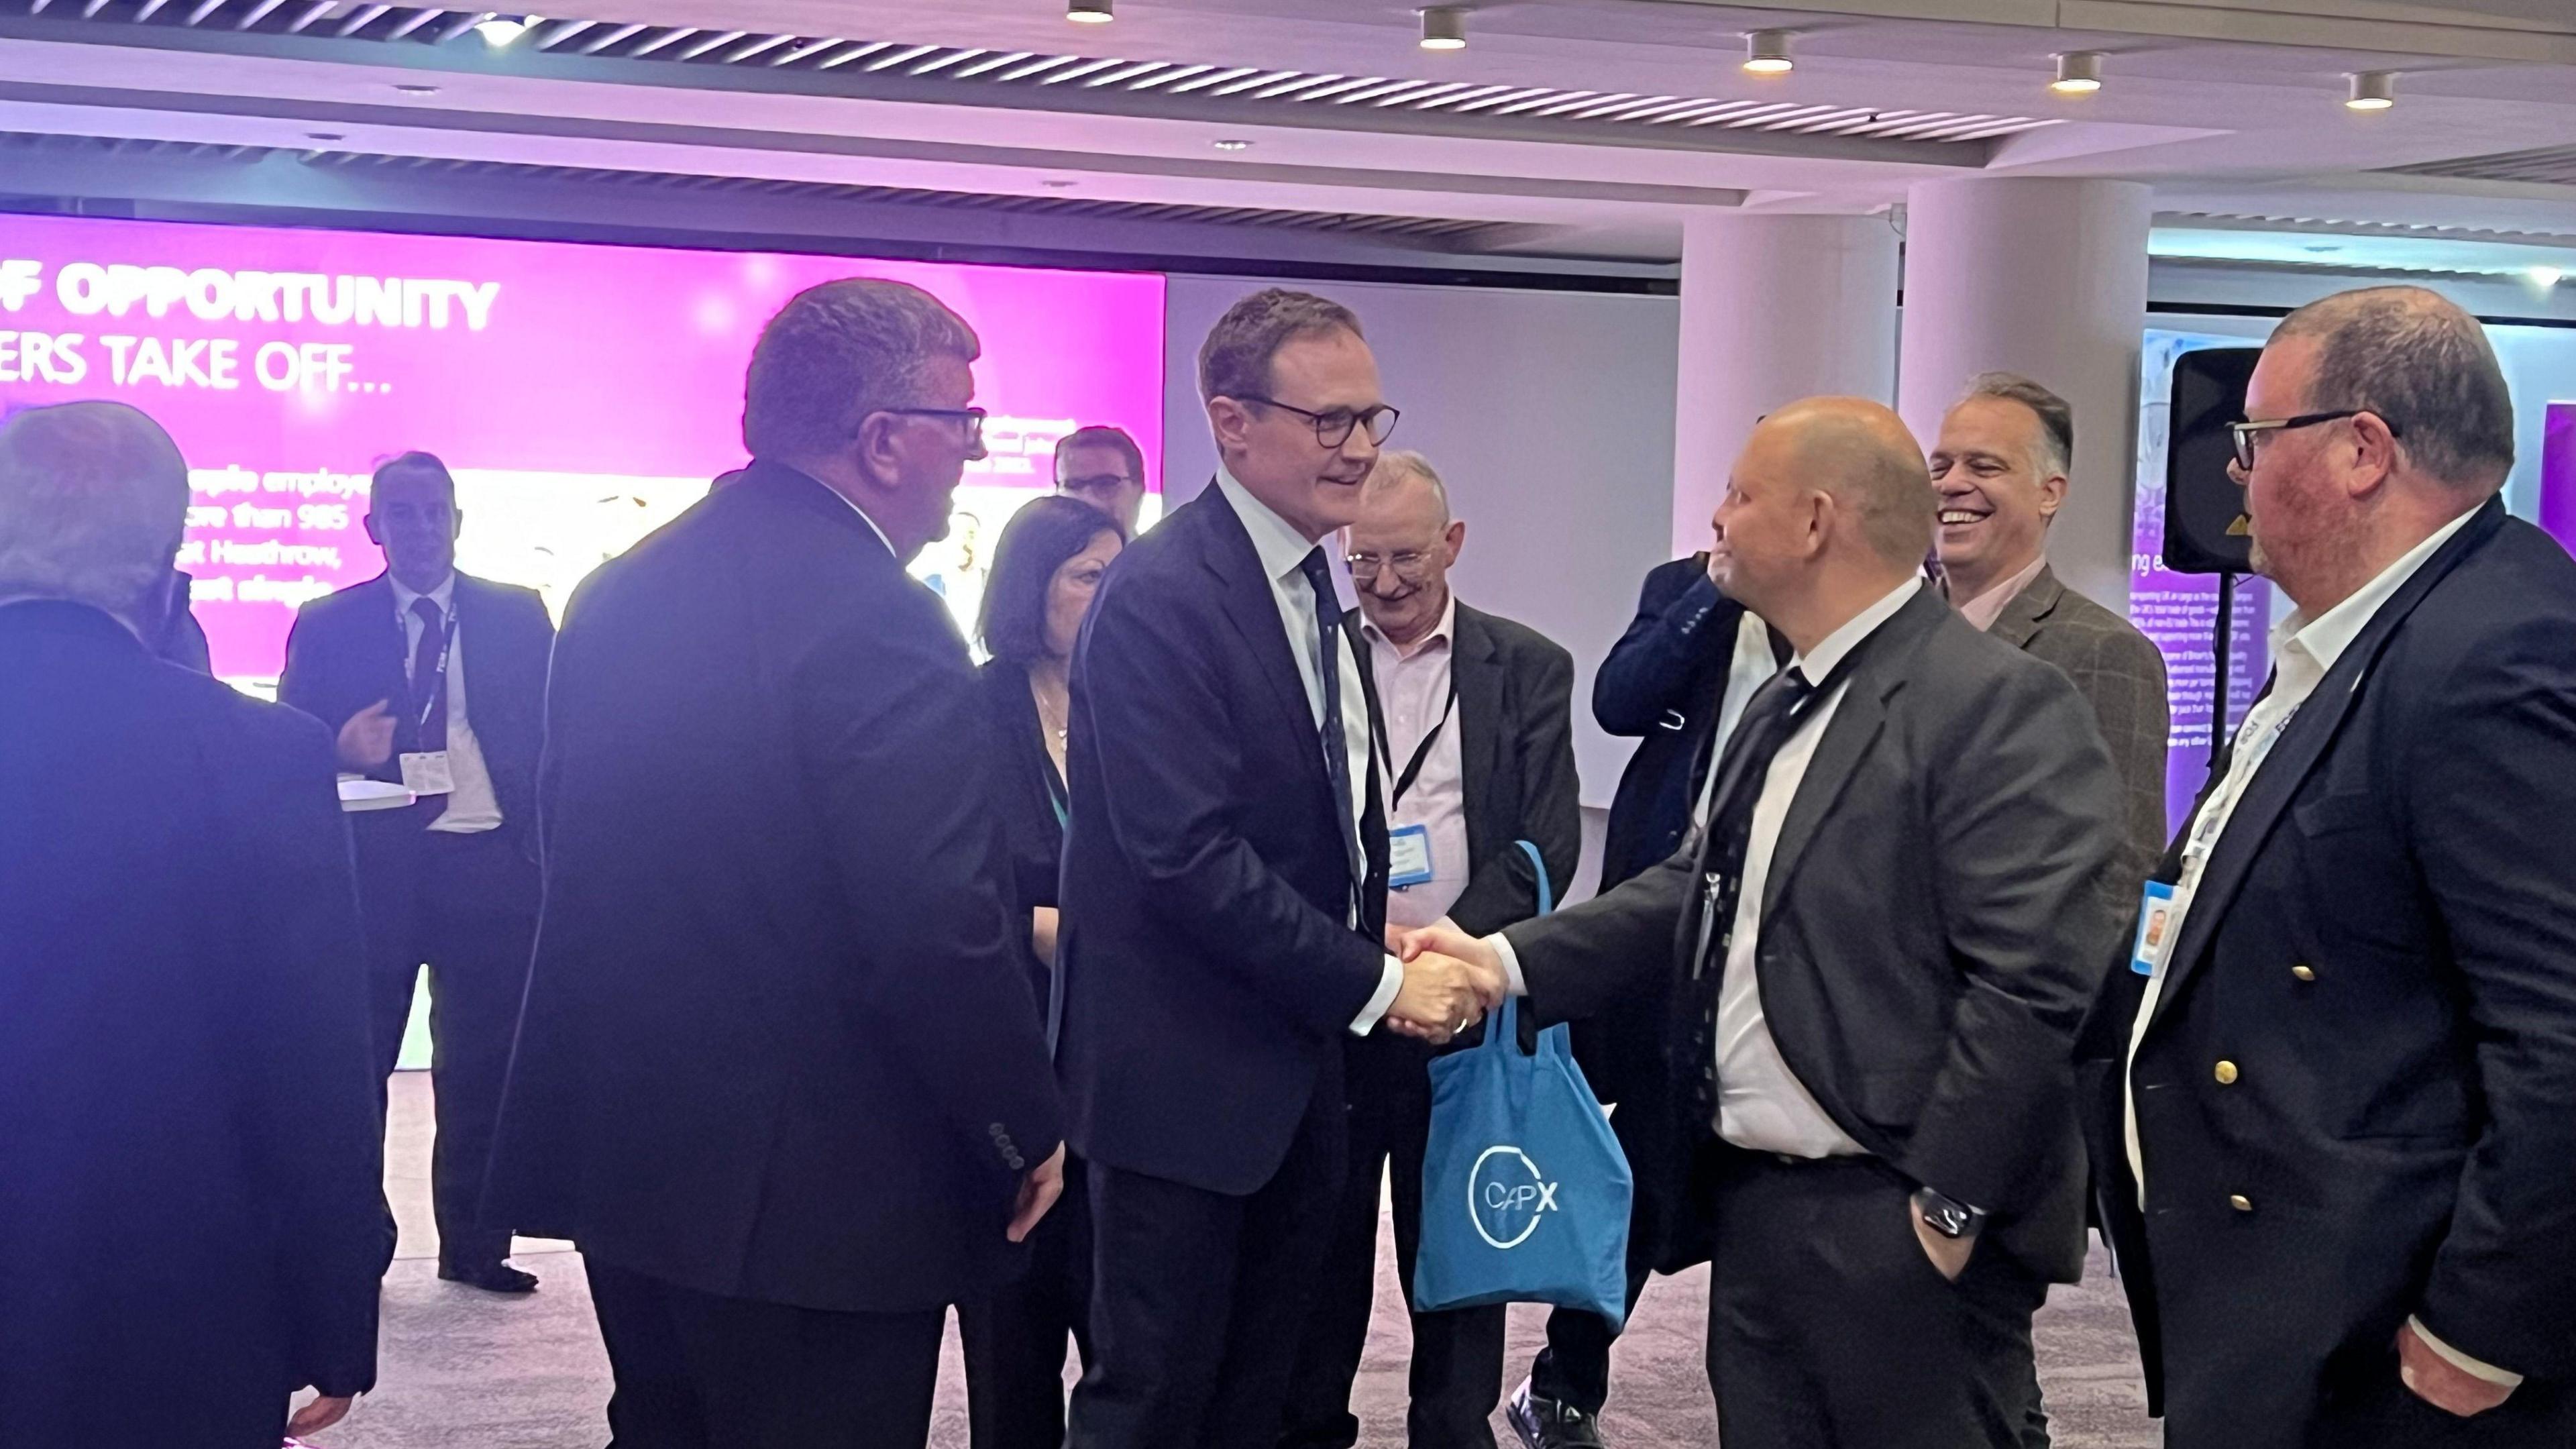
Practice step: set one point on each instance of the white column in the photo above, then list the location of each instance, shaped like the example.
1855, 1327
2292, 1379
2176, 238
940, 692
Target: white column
1774, 308
2047, 278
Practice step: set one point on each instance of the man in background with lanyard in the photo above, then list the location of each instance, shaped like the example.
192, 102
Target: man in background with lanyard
1478, 746
437, 681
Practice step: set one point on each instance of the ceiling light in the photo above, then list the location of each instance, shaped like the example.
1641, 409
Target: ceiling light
417, 89
1230, 144
2544, 277
1444, 27
1766, 52
500, 30
338, 136
2079, 73
1088, 12
2372, 90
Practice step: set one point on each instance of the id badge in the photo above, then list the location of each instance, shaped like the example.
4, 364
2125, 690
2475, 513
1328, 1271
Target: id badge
426, 773
1408, 856
2159, 920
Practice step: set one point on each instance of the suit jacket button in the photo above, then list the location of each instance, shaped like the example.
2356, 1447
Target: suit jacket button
995, 1130
2226, 1074
2303, 973
2240, 1202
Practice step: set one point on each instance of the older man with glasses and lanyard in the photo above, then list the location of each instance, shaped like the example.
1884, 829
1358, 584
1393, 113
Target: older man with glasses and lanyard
1478, 740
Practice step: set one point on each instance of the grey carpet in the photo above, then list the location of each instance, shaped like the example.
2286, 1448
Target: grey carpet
462, 1369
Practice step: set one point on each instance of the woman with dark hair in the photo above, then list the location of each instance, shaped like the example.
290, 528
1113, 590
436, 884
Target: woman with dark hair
1046, 569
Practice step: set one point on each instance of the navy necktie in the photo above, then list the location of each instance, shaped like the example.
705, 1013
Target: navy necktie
1336, 745
1770, 717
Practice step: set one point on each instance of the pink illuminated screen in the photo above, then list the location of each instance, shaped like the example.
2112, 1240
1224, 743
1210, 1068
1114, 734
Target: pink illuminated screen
583, 394
2558, 474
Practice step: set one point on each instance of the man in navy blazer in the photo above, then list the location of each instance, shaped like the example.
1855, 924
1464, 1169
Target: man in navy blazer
425, 663
1224, 897
2334, 1118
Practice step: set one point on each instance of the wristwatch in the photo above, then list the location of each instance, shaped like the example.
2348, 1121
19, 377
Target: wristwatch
1948, 1216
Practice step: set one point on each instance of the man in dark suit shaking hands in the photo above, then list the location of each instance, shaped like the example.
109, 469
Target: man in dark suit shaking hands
2336, 1118
780, 1076
1887, 931
1224, 897
436, 678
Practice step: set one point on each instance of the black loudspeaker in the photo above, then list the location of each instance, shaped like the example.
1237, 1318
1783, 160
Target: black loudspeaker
2204, 508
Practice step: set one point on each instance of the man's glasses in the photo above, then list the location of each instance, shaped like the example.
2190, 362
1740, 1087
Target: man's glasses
1097, 483
1334, 428
1412, 566
2247, 434
971, 419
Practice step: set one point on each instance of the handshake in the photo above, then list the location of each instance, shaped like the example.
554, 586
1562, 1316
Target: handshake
1451, 979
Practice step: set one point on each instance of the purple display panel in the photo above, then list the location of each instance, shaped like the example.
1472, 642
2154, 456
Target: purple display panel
583, 394
2558, 474
2180, 611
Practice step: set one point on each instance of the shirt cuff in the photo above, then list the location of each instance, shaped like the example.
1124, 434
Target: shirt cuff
1511, 960
2501, 1378
1388, 984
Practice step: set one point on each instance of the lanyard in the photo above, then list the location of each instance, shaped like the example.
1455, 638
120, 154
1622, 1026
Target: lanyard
1421, 752
437, 696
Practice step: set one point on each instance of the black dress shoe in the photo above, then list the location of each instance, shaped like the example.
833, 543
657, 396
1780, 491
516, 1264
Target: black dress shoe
1550, 1424
490, 1277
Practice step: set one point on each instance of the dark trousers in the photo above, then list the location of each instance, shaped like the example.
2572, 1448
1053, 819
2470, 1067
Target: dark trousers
1574, 1368
1829, 1327
1201, 1297
696, 1371
464, 906
1455, 1376
1014, 1340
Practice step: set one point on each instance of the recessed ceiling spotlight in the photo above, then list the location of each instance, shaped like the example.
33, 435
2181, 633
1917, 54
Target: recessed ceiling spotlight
1088, 12
1766, 52
1444, 27
416, 89
2079, 73
2372, 90
1231, 144
2321, 249
500, 30
1056, 183
324, 136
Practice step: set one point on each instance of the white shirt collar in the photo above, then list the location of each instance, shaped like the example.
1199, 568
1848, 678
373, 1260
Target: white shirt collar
1444, 632
444, 596
2324, 638
1986, 608
1818, 662
1282, 549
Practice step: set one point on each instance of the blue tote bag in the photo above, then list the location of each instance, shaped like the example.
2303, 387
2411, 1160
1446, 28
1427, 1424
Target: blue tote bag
1524, 1191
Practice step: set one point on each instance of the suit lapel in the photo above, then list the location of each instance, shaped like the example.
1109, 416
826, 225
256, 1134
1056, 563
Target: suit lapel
1480, 712
1250, 605
2304, 741
1878, 673
2023, 613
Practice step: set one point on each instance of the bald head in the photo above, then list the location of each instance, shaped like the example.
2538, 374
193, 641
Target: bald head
1861, 455
93, 500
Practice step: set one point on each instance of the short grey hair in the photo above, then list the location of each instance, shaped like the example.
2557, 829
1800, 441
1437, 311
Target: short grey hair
1235, 360
838, 352
2424, 366
93, 504
2056, 415
1395, 465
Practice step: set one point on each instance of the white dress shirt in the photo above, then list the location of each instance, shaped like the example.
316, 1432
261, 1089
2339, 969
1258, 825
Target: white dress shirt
472, 807
1282, 550
1413, 693
2303, 651
1761, 1104
1749, 670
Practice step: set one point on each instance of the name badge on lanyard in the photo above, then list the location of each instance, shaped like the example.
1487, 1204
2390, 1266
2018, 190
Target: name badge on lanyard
1408, 856
2159, 921
427, 772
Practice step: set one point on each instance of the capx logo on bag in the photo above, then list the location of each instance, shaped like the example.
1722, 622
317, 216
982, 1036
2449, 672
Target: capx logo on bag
1506, 1193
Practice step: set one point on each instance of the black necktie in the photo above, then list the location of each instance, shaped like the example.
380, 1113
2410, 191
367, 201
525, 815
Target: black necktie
1770, 717
428, 680
1337, 751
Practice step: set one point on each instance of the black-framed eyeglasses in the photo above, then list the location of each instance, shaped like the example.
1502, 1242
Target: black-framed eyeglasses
1411, 565
1332, 429
972, 419
2246, 434
1099, 483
